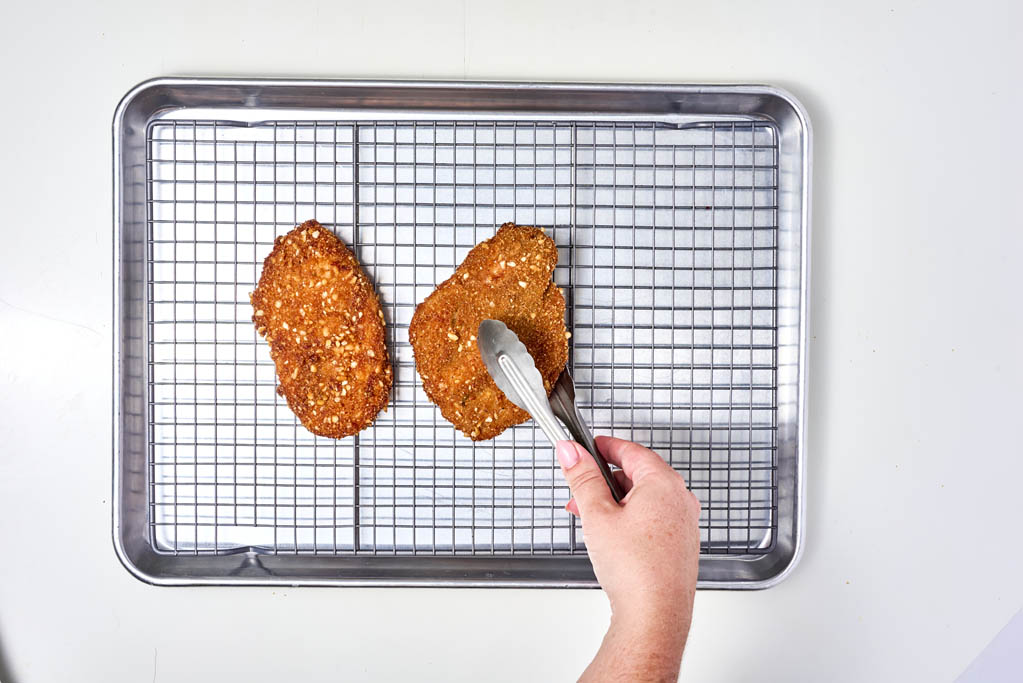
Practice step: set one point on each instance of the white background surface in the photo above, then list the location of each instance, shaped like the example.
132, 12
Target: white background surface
913, 558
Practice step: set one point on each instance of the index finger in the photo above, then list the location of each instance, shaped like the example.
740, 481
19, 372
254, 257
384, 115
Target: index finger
637, 461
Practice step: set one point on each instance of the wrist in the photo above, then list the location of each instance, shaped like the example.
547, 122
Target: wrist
664, 606
647, 643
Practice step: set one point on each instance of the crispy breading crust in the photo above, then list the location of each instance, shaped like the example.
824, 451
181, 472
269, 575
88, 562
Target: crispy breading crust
321, 317
506, 278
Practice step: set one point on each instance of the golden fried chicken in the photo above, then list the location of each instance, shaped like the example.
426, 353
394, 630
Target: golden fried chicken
321, 317
506, 278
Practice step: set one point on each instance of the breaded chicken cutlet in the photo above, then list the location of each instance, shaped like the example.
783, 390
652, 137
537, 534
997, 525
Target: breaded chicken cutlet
322, 319
506, 278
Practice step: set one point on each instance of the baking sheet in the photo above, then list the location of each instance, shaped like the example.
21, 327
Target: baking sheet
673, 257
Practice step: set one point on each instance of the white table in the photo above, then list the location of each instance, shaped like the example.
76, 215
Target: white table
915, 360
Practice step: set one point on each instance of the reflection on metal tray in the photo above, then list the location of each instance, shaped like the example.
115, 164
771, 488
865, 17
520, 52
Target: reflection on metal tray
681, 218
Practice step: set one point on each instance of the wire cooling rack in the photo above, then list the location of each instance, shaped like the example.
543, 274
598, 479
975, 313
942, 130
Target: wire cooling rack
668, 258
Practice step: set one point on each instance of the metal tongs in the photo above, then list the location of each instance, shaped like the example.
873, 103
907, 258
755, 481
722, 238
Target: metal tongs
514, 371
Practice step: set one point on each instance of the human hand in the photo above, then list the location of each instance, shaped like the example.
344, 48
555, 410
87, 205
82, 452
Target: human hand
644, 552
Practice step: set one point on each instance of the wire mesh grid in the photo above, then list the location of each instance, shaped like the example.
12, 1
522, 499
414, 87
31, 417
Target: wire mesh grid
667, 241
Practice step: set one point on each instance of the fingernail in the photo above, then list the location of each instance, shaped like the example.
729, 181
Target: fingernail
568, 454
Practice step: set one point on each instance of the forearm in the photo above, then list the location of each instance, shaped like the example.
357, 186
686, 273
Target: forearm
641, 647
645, 552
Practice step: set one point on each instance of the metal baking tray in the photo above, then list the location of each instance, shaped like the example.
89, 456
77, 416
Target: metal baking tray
682, 218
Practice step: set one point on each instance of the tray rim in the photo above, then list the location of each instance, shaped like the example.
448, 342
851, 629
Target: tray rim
804, 211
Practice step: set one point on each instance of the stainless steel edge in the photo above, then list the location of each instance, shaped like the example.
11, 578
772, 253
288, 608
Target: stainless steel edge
804, 336
804, 319
116, 431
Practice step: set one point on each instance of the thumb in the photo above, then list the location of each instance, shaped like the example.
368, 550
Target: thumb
589, 489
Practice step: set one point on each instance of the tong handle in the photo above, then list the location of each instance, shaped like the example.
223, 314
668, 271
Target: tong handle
545, 413
563, 405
